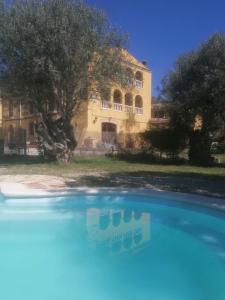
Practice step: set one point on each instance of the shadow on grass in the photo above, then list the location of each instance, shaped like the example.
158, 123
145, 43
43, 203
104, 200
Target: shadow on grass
211, 185
148, 158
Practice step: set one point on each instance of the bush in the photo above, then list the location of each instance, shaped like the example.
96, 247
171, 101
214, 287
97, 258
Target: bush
165, 140
199, 151
218, 147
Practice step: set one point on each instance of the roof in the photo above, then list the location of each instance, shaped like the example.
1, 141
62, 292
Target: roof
129, 57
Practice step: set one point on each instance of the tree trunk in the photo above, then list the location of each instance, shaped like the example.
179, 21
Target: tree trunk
56, 139
64, 156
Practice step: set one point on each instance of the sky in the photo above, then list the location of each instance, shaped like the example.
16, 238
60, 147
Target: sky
161, 30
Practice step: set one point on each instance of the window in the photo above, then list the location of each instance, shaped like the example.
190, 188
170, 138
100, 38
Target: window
139, 79
117, 99
138, 105
128, 102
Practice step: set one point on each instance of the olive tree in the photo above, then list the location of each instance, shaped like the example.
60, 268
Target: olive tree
196, 88
53, 53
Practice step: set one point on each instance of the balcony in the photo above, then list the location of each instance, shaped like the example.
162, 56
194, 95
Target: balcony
138, 84
118, 106
106, 104
138, 110
128, 108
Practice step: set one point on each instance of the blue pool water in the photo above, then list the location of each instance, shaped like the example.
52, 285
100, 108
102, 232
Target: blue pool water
110, 247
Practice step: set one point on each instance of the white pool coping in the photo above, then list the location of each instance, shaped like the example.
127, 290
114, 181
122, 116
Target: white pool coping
20, 190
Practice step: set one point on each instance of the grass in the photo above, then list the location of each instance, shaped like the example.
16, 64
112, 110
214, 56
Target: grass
105, 171
16, 165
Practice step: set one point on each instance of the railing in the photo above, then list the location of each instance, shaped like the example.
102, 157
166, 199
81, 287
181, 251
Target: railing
106, 104
138, 110
118, 106
139, 84
159, 120
128, 108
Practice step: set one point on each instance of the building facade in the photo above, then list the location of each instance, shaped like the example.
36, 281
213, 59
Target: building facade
100, 122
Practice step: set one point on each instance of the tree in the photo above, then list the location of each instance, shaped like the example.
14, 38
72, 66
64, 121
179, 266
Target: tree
196, 87
53, 53
165, 140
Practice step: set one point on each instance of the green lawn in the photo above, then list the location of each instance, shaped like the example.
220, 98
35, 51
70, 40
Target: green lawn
104, 171
16, 165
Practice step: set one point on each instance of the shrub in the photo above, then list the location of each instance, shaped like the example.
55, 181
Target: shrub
164, 140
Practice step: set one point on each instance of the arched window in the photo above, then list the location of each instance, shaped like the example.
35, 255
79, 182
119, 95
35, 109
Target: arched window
139, 79
127, 216
138, 101
116, 219
128, 102
137, 215
117, 99
139, 76
138, 105
104, 221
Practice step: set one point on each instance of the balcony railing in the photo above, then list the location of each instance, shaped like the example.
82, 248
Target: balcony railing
138, 110
106, 104
139, 84
118, 106
128, 108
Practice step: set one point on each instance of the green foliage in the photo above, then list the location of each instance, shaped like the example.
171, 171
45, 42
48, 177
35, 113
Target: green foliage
199, 152
218, 147
196, 86
165, 140
52, 51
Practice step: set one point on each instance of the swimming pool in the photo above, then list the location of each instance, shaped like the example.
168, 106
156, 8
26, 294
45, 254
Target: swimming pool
110, 247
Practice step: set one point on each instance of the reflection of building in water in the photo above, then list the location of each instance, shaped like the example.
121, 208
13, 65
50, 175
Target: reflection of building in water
118, 230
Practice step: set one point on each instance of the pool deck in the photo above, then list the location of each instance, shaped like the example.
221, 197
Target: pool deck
25, 185
19, 186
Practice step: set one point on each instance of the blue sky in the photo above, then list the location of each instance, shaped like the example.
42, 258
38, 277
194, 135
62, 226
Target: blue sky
161, 30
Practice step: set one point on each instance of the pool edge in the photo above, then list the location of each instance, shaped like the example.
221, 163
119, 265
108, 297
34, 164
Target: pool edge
20, 190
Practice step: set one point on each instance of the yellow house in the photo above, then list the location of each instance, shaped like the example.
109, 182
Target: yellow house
118, 116
100, 122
